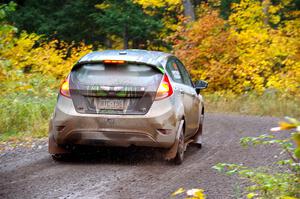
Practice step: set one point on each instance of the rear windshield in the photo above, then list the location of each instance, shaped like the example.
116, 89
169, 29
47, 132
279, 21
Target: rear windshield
114, 88
116, 74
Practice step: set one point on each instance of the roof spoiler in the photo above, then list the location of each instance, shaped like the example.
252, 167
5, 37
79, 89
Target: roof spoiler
157, 66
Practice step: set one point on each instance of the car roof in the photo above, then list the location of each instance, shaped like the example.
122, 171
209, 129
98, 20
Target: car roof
131, 55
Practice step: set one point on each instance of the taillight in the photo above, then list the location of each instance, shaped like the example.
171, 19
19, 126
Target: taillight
64, 88
165, 89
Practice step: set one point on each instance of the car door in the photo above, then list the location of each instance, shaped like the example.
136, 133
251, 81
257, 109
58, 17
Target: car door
191, 101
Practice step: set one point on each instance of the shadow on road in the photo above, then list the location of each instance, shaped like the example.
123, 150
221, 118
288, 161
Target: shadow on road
119, 155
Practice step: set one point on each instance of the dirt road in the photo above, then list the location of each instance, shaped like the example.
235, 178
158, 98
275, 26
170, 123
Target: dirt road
132, 173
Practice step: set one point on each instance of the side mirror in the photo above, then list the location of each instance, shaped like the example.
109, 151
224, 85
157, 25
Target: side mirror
199, 85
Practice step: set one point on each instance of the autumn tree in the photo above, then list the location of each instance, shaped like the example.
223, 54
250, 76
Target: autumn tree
244, 53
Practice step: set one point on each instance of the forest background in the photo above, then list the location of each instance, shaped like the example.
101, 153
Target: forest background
247, 50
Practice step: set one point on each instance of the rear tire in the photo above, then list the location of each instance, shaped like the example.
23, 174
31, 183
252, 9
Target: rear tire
180, 150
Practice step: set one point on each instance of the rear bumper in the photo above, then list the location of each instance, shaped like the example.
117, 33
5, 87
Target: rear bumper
69, 127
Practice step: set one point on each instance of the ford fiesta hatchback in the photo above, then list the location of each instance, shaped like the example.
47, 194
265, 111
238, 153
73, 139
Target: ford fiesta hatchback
124, 98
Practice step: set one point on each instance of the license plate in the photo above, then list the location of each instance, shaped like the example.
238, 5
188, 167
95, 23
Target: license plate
109, 104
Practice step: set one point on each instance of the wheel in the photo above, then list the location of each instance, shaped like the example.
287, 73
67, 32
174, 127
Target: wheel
180, 149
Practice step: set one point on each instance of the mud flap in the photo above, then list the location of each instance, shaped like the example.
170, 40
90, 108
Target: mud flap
171, 153
53, 148
197, 139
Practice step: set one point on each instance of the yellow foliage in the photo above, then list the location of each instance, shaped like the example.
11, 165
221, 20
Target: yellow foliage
207, 50
244, 53
251, 195
158, 3
102, 6
190, 194
46, 58
178, 191
169, 6
287, 197
26, 56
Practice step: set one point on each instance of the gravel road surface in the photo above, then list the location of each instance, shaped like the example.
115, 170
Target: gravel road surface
138, 173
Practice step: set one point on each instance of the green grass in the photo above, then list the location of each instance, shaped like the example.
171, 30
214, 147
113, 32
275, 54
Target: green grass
268, 104
24, 116
27, 116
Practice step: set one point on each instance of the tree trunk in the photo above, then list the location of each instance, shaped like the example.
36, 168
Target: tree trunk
108, 43
139, 44
125, 37
188, 10
135, 44
266, 5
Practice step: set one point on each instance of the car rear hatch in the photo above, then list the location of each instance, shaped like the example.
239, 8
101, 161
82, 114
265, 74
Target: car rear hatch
114, 88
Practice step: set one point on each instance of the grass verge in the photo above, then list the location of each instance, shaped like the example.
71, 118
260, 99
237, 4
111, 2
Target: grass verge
268, 104
23, 117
